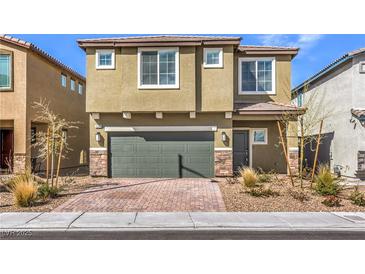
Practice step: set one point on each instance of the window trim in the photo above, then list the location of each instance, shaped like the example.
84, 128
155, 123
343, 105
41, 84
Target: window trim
74, 87
205, 52
82, 88
273, 76
11, 86
97, 52
158, 86
65, 75
265, 136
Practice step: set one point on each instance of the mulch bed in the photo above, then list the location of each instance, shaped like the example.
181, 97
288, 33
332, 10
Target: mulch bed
236, 198
70, 187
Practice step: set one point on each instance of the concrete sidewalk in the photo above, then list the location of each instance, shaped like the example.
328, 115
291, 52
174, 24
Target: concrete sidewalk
183, 225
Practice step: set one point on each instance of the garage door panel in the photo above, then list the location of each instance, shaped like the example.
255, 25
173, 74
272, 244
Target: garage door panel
162, 154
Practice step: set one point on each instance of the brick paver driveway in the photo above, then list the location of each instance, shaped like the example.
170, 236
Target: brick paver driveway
149, 195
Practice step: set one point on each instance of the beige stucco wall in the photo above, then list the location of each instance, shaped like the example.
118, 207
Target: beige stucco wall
217, 83
268, 156
13, 103
283, 81
44, 83
148, 119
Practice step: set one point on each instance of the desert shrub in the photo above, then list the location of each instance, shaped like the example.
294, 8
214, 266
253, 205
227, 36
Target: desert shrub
357, 197
299, 195
326, 183
249, 177
20, 178
25, 193
45, 191
263, 192
332, 201
232, 181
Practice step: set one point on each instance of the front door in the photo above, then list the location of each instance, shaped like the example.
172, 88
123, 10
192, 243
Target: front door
240, 149
6, 147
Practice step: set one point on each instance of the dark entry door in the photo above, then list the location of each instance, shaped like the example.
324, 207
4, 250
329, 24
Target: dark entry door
240, 149
6, 147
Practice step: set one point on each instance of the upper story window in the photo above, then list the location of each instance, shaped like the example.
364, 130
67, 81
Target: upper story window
213, 57
256, 76
72, 84
81, 88
5, 71
105, 59
300, 99
158, 68
63, 80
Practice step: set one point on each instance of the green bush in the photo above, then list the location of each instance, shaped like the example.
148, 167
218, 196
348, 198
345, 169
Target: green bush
326, 183
46, 191
332, 201
262, 192
357, 197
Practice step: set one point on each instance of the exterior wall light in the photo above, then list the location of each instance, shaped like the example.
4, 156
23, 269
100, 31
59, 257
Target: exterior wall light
224, 137
97, 137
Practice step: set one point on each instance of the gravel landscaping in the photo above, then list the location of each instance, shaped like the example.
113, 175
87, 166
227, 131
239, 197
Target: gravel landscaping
237, 198
70, 187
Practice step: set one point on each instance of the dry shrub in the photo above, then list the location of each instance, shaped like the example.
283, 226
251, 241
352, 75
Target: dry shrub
263, 192
25, 193
249, 177
332, 201
299, 195
24, 189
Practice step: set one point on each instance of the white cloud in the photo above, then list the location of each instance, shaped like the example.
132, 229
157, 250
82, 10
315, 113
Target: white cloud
302, 41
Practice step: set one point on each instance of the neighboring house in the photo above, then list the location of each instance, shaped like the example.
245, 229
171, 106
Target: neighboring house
28, 74
338, 90
185, 106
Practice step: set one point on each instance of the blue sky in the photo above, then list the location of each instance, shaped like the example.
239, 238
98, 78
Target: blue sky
316, 50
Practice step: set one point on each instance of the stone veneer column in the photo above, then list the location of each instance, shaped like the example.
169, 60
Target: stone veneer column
19, 162
223, 162
98, 162
294, 159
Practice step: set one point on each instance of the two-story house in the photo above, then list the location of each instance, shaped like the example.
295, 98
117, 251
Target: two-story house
337, 92
186, 106
28, 75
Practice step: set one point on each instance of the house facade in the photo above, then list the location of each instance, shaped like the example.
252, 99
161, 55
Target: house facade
28, 75
186, 106
337, 93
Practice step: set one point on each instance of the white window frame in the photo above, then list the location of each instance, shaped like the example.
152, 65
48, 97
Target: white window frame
97, 54
220, 64
72, 87
273, 76
265, 142
10, 86
63, 77
82, 88
158, 86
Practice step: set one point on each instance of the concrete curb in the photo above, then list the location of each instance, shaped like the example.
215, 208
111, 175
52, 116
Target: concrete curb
183, 225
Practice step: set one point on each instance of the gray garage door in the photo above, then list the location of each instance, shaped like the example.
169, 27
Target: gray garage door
161, 154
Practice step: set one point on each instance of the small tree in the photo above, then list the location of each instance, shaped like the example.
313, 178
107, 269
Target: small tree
309, 124
54, 142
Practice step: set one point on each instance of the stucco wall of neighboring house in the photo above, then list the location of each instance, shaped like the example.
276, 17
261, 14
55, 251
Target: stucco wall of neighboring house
282, 79
333, 96
13, 103
44, 82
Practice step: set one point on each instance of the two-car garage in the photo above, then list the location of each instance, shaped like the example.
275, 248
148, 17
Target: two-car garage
161, 154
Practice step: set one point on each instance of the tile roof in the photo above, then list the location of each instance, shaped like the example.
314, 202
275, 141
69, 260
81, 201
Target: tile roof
334, 64
358, 113
34, 48
266, 108
163, 38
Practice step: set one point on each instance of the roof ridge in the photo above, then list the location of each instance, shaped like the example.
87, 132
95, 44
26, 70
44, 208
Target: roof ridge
31, 46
